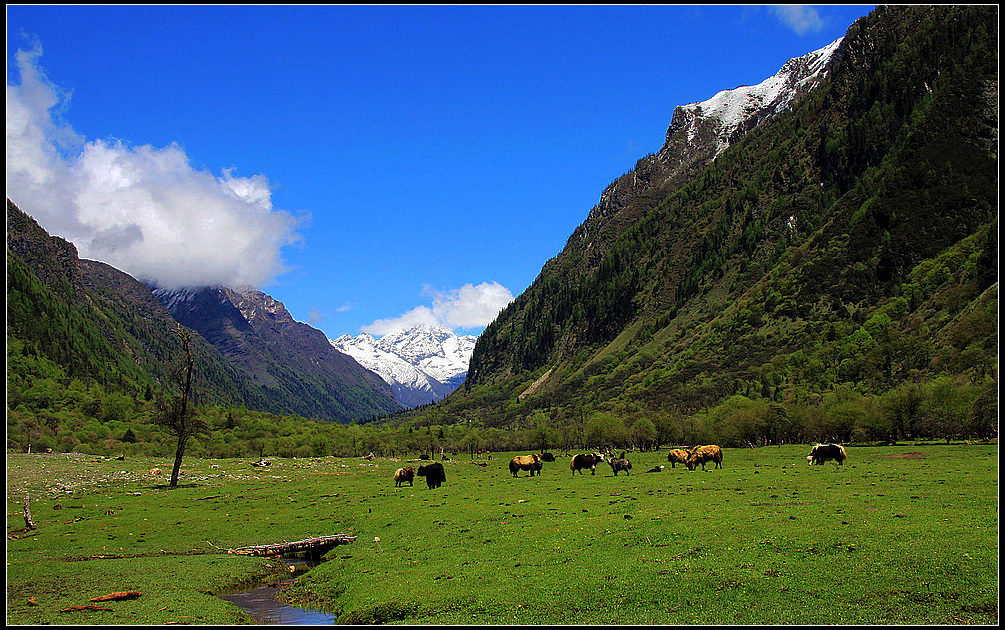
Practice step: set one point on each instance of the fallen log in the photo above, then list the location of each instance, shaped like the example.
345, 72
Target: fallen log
88, 607
317, 547
116, 596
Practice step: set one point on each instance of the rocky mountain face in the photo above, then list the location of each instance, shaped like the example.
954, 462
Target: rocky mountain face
775, 221
422, 364
292, 362
52, 259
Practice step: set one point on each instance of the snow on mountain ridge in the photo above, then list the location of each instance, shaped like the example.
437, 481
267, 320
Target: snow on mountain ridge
734, 107
700, 132
422, 364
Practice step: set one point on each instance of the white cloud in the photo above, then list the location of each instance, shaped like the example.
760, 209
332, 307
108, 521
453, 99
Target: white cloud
142, 209
799, 17
420, 315
471, 306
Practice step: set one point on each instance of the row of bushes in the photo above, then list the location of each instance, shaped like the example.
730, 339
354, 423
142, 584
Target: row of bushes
74, 417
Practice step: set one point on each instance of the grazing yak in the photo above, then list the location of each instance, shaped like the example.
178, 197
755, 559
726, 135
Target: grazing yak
822, 453
547, 457
526, 462
619, 464
677, 456
402, 475
702, 455
579, 462
433, 473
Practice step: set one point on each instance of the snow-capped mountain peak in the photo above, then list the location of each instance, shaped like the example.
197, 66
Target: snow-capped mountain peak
735, 108
700, 132
422, 363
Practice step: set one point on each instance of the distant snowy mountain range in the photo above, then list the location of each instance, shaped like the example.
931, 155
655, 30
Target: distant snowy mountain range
422, 364
289, 366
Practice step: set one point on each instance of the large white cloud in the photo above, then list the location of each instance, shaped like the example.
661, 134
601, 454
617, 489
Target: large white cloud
471, 306
142, 209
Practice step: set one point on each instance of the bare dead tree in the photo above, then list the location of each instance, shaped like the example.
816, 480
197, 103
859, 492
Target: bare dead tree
29, 524
177, 414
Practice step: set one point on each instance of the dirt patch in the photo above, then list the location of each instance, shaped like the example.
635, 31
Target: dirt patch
908, 455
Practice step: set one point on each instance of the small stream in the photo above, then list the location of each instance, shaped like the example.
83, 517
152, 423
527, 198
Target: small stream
260, 602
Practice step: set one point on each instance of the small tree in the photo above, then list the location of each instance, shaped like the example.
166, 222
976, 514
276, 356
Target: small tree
543, 434
178, 415
643, 433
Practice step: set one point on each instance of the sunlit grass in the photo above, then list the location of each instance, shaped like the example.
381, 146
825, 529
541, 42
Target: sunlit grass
896, 535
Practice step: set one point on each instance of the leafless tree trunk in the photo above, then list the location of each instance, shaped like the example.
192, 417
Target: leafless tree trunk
185, 383
28, 523
178, 415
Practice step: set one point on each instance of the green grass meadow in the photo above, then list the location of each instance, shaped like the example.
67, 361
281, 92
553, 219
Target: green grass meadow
898, 535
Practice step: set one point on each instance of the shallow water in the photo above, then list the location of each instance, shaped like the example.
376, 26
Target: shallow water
261, 603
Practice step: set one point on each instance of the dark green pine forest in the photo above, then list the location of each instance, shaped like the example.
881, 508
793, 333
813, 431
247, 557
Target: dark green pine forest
833, 275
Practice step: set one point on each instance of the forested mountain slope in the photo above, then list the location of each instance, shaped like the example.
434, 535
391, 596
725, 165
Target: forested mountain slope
291, 363
845, 247
93, 321
85, 321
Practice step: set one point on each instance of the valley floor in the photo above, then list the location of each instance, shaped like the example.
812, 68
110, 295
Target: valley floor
903, 534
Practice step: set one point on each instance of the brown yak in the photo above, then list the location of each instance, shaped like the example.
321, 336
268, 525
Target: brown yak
526, 462
703, 454
677, 456
620, 464
402, 475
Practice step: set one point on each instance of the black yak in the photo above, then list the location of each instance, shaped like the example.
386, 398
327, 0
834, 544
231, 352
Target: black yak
822, 453
579, 462
434, 474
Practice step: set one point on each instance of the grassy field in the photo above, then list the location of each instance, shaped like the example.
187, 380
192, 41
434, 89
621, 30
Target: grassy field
898, 535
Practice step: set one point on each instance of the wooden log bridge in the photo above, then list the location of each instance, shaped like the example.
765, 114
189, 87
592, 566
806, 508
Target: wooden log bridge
312, 547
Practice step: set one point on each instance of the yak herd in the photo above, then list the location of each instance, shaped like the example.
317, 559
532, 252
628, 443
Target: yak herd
691, 458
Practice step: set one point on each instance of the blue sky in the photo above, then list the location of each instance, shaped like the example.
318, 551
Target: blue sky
364, 165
